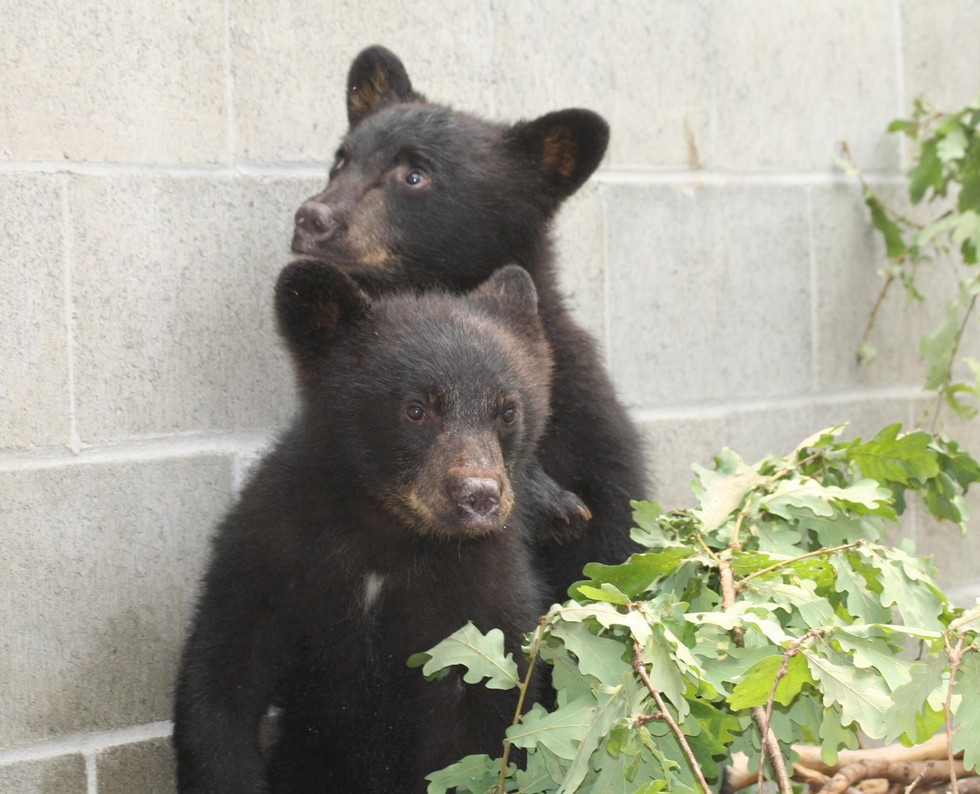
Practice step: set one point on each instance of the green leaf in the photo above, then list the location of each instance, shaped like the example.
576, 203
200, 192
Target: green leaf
969, 198
890, 231
474, 773
911, 700
953, 145
863, 699
756, 684
834, 735
938, 347
608, 710
926, 173
906, 586
903, 125
720, 492
606, 592
967, 721
481, 654
640, 572
891, 457
600, 657
665, 674
863, 604
814, 609
606, 615
561, 731
794, 498
871, 651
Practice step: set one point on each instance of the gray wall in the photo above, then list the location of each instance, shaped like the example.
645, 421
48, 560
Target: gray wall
152, 154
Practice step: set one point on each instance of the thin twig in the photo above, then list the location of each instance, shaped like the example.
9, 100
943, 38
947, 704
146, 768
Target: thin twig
775, 567
955, 660
875, 194
535, 650
873, 316
911, 786
641, 671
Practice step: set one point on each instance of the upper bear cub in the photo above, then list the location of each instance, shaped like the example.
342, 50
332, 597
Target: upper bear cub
389, 515
424, 196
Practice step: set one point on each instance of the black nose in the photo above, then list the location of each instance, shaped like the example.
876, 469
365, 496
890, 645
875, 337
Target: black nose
315, 223
479, 496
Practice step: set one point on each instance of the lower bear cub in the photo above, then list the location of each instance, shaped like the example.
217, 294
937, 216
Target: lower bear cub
388, 516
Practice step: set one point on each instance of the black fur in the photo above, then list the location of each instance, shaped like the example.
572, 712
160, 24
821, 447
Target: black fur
422, 196
356, 544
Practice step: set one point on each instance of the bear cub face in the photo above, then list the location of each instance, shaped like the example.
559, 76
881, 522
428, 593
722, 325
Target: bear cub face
421, 194
449, 398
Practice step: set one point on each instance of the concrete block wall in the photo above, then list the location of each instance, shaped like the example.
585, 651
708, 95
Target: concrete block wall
151, 156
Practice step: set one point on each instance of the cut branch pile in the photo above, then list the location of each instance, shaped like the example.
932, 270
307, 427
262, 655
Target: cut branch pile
896, 769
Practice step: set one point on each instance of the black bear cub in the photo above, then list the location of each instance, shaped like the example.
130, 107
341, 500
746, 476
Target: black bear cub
389, 515
422, 196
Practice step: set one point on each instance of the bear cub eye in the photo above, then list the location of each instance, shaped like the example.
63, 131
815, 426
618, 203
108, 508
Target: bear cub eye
340, 160
411, 177
415, 412
416, 178
509, 415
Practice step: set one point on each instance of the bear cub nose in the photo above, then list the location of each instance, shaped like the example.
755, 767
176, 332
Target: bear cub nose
479, 496
314, 222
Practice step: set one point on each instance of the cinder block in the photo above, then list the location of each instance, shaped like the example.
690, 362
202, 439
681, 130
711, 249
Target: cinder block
62, 775
174, 292
709, 293
848, 253
580, 253
291, 74
675, 443
672, 445
33, 323
143, 767
101, 564
113, 82
939, 36
645, 66
794, 79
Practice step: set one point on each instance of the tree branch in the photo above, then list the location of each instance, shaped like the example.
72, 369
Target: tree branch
641, 671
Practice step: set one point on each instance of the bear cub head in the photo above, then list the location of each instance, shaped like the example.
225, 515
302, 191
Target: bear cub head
437, 401
421, 194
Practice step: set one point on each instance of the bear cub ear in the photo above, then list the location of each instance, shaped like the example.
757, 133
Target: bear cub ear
314, 300
376, 78
510, 291
566, 147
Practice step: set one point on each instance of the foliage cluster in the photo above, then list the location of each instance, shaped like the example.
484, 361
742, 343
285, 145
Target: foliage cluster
764, 616
945, 174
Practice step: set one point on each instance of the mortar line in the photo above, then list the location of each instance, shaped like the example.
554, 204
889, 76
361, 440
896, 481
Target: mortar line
900, 87
139, 450
91, 774
612, 175
720, 410
492, 39
606, 321
814, 295
85, 743
74, 441
230, 120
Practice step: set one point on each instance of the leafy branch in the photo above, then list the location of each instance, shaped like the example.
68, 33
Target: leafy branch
771, 609
946, 172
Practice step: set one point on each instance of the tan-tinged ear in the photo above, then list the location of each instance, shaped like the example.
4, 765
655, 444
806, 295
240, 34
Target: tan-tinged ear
313, 301
377, 77
510, 291
566, 147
